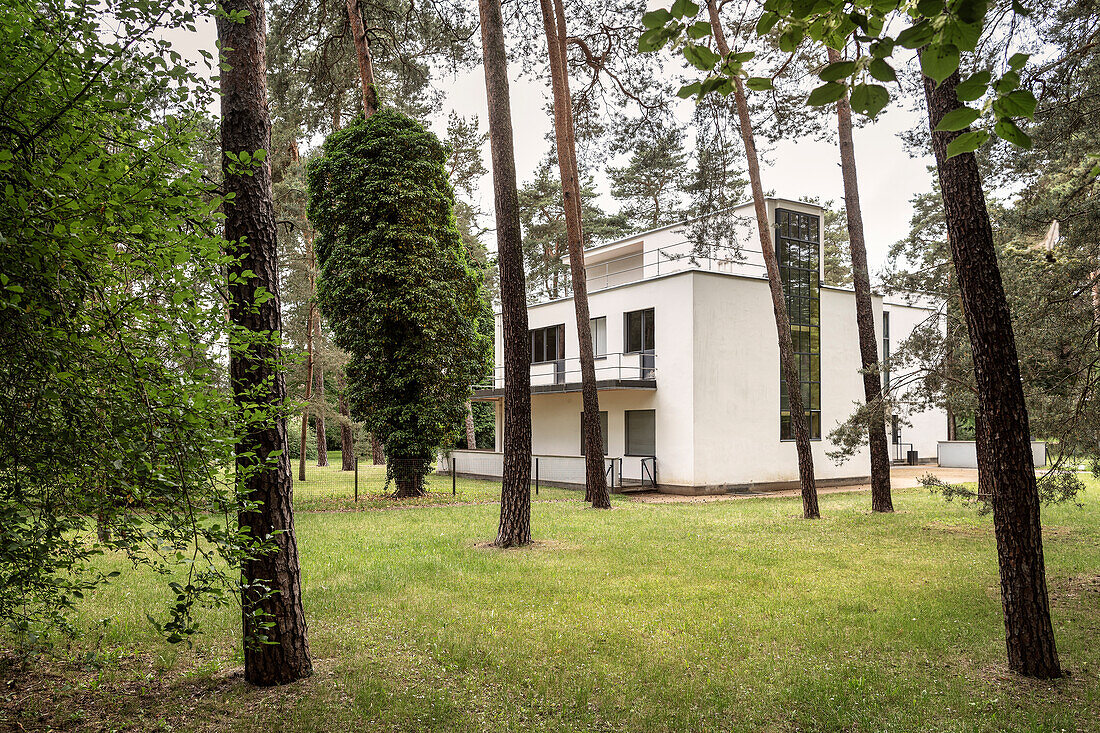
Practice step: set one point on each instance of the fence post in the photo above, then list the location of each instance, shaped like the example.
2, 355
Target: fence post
536, 475
453, 484
357, 479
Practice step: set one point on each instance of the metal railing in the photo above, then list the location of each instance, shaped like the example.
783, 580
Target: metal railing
641, 365
672, 258
550, 470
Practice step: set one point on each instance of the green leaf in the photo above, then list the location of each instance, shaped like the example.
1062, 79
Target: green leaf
698, 29
1018, 61
684, 8
1020, 9
958, 119
689, 90
759, 83
790, 39
882, 71
701, 57
766, 23
917, 35
968, 142
1020, 103
651, 40
882, 48
1007, 130
656, 18
973, 87
1007, 83
971, 11
938, 62
826, 94
869, 99
837, 71
929, 8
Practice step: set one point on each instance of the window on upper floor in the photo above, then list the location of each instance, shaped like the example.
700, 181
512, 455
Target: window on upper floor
548, 344
638, 331
599, 336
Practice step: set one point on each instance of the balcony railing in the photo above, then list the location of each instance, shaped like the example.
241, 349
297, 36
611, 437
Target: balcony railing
638, 365
672, 258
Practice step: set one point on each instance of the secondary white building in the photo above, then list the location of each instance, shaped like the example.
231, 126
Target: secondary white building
690, 392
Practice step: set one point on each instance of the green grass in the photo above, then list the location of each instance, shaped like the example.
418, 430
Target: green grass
731, 615
329, 488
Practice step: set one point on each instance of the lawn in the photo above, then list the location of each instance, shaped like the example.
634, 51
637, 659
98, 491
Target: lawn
732, 615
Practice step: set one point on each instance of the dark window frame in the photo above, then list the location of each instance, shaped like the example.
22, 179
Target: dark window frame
650, 320
559, 341
626, 434
798, 252
591, 322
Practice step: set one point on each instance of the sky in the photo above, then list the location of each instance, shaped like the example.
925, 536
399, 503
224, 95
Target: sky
794, 169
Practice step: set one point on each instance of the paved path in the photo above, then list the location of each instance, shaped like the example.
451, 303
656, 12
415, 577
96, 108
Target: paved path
901, 477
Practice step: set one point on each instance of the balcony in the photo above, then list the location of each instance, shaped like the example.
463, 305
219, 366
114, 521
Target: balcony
637, 370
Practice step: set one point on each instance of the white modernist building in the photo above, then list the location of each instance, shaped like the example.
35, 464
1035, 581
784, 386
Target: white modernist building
687, 364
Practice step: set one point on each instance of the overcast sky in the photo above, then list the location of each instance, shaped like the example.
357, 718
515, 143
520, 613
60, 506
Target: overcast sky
795, 169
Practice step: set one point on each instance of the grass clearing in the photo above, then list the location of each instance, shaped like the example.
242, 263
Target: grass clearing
731, 615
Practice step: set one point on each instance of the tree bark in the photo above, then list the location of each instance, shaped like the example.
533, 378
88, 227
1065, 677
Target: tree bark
378, 455
320, 406
881, 500
779, 301
311, 314
347, 441
553, 18
471, 429
515, 494
363, 55
1004, 460
254, 371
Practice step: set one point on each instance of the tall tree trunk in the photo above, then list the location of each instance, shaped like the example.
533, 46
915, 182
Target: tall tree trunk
553, 19
799, 426
515, 493
347, 440
378, 455
1005, 457
363, 55
881, 500
311, 314
275, 616
471, 429
320, 407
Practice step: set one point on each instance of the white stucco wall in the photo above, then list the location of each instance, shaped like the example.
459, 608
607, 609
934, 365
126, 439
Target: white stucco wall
921, 427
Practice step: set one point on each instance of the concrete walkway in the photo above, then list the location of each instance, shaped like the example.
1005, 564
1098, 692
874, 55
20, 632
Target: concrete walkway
901, 477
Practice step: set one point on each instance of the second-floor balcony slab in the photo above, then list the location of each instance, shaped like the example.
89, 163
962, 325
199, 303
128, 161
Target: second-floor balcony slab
631, 371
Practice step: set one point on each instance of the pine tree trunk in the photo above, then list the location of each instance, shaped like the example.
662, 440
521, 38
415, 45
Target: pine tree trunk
881, 500
1004, 460
515, 494
378, 455
553, 18
799, 426
363, 56
471, 429
309, 380
254, 372
319, 408
347, 441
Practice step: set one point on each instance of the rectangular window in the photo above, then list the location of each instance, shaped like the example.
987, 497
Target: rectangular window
548, 344
638, 331
603, 431
641, 432
885, 351
797, 248
599, 336
895, 430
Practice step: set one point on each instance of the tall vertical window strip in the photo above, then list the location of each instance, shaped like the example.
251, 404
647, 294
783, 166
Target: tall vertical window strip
797, 247
885, 351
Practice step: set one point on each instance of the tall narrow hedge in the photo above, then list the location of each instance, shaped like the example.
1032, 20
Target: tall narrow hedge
396, 287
